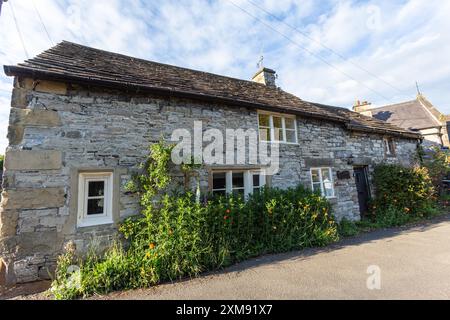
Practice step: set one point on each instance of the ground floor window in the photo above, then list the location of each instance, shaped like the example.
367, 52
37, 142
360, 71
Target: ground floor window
242, 182
95, 198
322, 180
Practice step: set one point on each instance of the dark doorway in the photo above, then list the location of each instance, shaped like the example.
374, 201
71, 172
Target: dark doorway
362, 187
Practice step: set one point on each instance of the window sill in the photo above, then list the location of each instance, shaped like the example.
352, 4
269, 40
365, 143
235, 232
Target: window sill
94, 222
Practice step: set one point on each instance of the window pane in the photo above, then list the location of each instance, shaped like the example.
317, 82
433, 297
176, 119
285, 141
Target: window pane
385, 145
239, 192
278, 133
326, 174
264, 134
219, 180
315, 175
290, 136
289, 123
95, 206
256, 180
96, 188
264, 120
316, 187
327, 182
328, 188
277, 122
391, 146
238, 180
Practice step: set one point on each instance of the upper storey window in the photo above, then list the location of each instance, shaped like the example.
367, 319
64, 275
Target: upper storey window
389, 147
275, 127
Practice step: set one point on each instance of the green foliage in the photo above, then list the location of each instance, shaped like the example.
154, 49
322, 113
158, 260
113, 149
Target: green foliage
181, 238
401, 194
437, 162
2, 159
391, 216
155, 175
347, 228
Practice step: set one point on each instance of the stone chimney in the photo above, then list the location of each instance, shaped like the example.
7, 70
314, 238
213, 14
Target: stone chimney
265, 76
363, 108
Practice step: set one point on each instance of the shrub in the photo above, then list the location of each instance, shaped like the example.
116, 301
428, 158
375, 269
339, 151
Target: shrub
401, 194
181, 238
437, 161
347, 228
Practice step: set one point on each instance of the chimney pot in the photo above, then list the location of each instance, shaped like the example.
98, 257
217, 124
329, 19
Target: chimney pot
362, 107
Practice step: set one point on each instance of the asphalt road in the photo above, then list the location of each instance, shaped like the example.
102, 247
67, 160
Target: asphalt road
412, 263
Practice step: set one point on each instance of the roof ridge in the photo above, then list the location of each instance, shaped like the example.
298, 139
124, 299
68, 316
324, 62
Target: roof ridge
393, 105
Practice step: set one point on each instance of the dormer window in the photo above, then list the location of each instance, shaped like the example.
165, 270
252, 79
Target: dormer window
274, 127
389, 147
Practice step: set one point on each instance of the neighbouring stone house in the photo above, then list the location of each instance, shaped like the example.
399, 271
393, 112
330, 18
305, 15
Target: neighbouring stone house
418, 115
81, 121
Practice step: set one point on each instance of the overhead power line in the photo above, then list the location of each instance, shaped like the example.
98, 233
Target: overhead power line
325, 46
310, 52
43, 24
18, 30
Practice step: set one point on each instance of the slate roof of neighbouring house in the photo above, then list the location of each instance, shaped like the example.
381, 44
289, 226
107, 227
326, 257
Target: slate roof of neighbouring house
408, 115
76, 63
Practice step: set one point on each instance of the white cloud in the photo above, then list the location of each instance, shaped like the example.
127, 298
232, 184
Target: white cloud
400, 42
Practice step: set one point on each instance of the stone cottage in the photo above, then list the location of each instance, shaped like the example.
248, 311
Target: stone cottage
81, 121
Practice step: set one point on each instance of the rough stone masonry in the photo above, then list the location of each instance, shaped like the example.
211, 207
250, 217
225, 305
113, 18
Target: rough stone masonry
59, 129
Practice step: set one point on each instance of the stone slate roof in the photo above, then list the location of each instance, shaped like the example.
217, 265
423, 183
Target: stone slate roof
408, 115
85, 65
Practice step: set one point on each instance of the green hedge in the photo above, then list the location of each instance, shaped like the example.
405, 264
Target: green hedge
183, 238
402, 194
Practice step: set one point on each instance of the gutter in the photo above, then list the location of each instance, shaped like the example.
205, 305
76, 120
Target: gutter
411, 135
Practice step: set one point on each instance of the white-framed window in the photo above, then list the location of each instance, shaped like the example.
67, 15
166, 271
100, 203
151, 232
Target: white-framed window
95, 198
274, 127
389, 147
322, 180
242, 182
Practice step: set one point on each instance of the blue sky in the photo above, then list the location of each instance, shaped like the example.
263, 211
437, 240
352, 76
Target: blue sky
332, 51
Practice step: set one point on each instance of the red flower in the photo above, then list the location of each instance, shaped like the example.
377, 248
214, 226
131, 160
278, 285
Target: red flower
225, 217
227, 211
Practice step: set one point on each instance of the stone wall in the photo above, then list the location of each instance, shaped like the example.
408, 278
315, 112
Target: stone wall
58, 129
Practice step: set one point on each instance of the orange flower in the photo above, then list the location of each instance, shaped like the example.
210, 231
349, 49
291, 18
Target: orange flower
151, 246
227, 211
